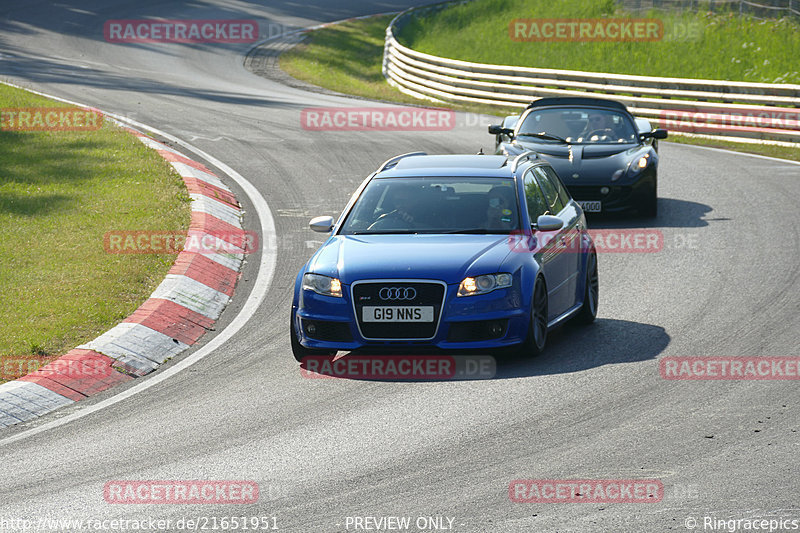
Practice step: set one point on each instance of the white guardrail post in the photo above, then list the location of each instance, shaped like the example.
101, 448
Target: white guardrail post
739, 111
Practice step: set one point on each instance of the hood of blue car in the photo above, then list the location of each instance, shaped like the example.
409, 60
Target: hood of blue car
449, 258
586, 164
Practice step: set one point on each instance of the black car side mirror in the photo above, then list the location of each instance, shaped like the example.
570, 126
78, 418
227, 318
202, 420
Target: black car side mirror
497, 129
655, 134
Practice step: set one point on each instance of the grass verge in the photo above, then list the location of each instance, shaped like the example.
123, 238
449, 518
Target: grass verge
348, 57
60, 192
695, 44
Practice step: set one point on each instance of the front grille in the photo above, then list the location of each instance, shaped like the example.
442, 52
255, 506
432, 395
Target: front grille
324, 330
426, 293
477, 330
591, 192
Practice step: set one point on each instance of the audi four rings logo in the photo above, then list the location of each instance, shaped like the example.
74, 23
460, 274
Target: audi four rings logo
398, 293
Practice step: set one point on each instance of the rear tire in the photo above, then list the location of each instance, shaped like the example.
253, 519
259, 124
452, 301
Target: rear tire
298, 350
591, 292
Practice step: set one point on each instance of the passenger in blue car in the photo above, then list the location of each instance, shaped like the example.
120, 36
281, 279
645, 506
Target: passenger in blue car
501, 212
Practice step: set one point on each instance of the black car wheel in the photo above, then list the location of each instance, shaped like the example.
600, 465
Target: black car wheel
537, 331
298, 350
591, 294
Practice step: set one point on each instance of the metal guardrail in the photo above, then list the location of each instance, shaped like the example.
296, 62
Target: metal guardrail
743, 111
772, 9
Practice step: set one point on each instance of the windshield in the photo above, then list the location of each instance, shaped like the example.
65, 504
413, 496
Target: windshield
434, 205
578, 126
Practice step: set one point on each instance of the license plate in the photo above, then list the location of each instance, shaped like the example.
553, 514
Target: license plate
592, 206
398, 313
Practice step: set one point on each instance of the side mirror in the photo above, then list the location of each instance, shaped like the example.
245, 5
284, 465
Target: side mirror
321, 224
497, 129
548, 223
642, 125
655, 134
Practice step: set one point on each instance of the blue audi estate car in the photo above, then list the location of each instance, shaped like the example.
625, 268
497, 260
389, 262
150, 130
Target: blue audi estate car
448, 252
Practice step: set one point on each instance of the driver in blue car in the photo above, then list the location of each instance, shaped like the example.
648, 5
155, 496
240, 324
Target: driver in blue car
401, 216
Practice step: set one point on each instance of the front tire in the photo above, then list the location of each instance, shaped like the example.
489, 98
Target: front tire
537, 330
591, 292
298, 350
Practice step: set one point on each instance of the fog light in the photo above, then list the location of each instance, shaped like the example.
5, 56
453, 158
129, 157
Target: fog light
604, 190
311, 329
497, 328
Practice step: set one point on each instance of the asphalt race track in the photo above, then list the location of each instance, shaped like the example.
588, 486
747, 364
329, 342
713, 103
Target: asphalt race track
593, 407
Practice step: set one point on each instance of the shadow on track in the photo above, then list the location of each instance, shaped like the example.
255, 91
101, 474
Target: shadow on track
575, 348
571, 348
672, 213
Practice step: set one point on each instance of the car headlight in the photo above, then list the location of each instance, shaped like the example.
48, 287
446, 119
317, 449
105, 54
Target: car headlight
484, 284
635, 167
323, 285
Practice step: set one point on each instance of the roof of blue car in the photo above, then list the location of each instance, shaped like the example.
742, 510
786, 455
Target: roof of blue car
449, 165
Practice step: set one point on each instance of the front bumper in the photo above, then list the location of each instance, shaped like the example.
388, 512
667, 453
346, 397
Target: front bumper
494, 320
620, 198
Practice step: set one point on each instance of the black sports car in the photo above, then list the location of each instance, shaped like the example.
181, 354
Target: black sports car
607, 158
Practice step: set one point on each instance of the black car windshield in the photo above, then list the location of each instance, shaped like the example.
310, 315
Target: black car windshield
434, 205
578, 126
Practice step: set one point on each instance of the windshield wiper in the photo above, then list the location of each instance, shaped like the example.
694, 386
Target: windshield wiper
476, 231
468, 231
384, 232
543, 135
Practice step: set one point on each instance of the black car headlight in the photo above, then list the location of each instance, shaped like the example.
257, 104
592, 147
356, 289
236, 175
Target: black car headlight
323, 285
635, 167
483, 284
639, 164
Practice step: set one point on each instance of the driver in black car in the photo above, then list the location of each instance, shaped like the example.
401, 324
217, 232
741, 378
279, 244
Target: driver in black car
601, 126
